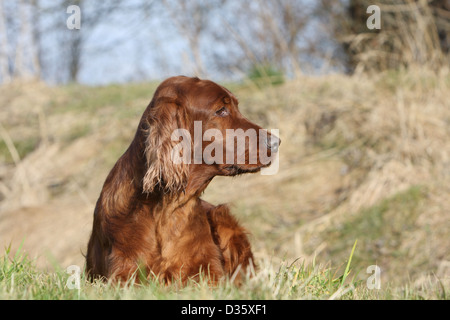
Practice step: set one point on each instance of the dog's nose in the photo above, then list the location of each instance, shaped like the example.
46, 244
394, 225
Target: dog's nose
273, 143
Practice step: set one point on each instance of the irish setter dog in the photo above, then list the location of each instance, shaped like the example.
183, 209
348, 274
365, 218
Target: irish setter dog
149, 215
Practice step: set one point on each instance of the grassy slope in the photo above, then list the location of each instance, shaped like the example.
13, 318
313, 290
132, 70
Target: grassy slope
361, 159
20, 279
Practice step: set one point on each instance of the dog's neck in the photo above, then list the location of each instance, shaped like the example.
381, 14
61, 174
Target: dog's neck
199, 178
133, 167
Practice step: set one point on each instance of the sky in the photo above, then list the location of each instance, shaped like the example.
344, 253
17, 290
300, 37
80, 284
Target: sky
138, 42
146, 45
135, 47
131, 48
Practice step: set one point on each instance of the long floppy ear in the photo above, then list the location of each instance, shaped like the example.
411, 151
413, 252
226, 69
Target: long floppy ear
165, 116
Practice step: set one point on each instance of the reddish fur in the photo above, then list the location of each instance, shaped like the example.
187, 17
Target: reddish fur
149, 212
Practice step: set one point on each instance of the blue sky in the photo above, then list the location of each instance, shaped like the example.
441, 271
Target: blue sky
139, 45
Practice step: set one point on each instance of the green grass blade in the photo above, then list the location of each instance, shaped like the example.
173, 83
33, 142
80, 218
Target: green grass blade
348, 264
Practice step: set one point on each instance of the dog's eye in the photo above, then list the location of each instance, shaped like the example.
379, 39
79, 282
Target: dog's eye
222, 112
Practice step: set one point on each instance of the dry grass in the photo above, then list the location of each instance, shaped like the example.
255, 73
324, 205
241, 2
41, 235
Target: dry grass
409, 36
364, 158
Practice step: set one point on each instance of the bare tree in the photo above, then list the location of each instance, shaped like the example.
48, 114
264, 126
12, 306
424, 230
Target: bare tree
282, 21
412, 32
4, 45
18, 42
36, 38
264, 33
23, 63
192, 19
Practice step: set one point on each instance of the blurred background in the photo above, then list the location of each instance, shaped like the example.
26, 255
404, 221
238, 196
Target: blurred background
364, 115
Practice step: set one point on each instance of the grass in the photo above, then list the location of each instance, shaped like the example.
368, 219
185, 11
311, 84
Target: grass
380, 229
21, 279
362, 158
23, 147
78, 98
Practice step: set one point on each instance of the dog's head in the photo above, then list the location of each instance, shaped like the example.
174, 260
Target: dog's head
194, 125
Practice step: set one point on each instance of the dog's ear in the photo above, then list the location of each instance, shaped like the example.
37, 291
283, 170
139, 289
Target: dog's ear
165, 171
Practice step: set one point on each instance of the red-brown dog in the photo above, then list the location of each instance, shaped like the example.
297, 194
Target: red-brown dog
149, 213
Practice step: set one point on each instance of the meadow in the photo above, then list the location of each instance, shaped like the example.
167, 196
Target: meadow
363, 183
